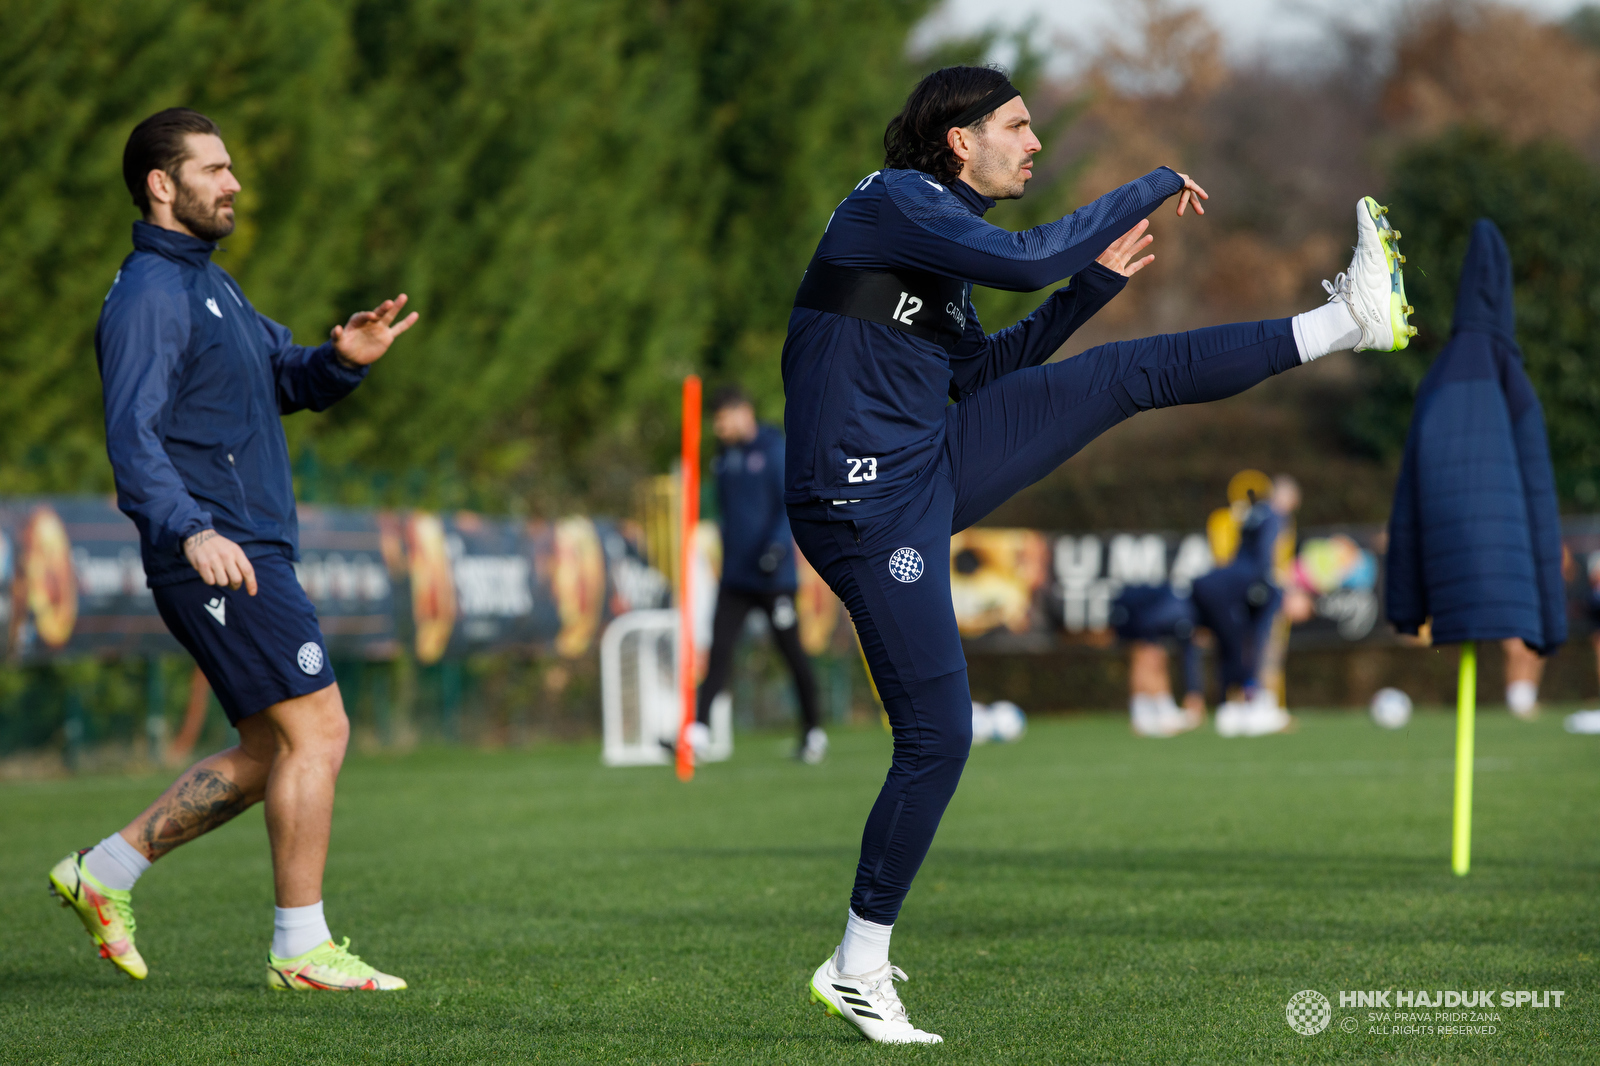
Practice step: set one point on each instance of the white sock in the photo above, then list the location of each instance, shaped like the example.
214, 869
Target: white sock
116, 863
296, 930
1520, 697
1140, 706
1330, 328
865, 947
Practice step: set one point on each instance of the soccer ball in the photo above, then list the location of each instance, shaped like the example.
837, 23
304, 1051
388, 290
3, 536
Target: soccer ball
1006, 721
1391, 708
982, 724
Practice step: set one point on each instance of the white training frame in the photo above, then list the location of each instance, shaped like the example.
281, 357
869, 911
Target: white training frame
639, 696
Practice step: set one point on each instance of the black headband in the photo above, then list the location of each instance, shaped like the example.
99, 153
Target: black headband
983, 107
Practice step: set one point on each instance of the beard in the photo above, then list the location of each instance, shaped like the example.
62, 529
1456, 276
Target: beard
999, 178
209, 222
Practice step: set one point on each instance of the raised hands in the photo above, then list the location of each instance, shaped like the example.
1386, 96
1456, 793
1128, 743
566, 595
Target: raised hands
363, 340
1120, 256
1191, 194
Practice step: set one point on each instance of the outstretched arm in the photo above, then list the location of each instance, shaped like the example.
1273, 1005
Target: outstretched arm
980, 358
924, 227
319, 377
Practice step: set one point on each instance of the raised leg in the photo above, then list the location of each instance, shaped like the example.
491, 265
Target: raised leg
1009, 434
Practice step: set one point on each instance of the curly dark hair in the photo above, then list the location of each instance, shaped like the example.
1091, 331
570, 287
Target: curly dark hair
917, 138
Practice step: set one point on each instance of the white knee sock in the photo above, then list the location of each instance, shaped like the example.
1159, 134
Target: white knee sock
1330, 328
116, 863
865, 947
296, 930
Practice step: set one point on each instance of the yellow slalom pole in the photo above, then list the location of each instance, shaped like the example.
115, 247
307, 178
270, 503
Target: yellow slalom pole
1466, 705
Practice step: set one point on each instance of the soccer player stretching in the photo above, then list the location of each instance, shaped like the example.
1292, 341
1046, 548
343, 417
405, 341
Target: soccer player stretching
195, 380
881, 469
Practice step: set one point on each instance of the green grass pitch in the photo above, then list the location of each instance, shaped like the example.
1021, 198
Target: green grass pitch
1091, 898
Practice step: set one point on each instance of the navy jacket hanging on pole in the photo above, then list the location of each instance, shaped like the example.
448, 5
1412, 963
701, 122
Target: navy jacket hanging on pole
1475, 537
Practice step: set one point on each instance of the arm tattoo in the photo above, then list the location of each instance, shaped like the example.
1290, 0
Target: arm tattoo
198, 539
203, 800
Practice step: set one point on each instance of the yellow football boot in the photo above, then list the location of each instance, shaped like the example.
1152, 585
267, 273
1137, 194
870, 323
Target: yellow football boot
105, 912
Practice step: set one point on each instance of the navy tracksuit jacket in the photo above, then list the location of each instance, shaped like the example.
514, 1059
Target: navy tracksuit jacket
195, 380
1475, 534
757, 548
882, 468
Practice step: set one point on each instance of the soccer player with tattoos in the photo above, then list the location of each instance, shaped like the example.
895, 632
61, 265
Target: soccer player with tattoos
195, 382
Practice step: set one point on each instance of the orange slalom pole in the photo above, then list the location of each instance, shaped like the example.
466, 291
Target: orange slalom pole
691, 519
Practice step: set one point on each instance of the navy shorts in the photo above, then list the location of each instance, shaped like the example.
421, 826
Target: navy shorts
1152, 613
255, 650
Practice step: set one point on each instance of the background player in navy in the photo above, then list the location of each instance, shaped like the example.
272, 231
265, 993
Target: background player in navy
195, 380
882, 467
758, 569
1239, 603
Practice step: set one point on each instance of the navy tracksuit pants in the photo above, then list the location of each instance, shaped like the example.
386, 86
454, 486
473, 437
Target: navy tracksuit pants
1238, 605
892, 569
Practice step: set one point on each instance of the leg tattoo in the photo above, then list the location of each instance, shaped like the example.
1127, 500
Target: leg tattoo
201, 802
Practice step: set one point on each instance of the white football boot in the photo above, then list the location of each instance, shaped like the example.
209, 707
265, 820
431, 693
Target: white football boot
1159, 716
815, 748
1264, 716
1232, 719
1373, 288
869, 1003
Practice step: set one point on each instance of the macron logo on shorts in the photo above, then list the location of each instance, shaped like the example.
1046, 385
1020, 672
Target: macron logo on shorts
218, 608
310, 657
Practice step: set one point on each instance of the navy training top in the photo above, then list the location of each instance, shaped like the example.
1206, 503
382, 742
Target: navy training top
195, 380
864, 401
757, 548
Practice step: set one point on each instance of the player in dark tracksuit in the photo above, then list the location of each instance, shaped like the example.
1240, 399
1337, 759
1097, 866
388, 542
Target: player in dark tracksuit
1238, 602
758, 566
883, 467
